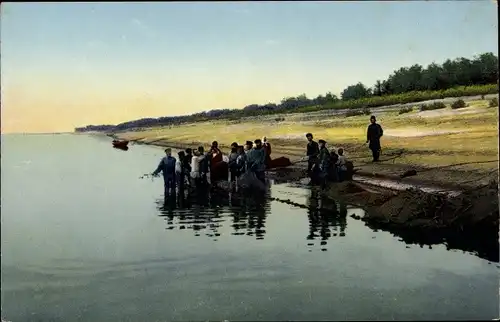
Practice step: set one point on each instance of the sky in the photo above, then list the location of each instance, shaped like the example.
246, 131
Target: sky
72, 64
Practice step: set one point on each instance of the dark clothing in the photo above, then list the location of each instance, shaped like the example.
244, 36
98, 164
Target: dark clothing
333, 172
187, 163
204, 166
312, 148
324, 158
312, 153
267, 149
373, 135
376, 153
261, 175
241, 163
169, 185
256, 159
167, 167
233, 166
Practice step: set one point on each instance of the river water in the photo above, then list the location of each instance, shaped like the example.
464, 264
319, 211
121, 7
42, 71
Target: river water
84, 239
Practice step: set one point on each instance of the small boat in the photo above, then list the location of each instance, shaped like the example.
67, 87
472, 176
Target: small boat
123, 148
120, 143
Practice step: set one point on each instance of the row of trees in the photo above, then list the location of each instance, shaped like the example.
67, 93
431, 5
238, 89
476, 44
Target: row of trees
407, 83
480, 70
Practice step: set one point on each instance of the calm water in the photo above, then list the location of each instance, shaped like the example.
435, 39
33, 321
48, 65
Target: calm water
84, 239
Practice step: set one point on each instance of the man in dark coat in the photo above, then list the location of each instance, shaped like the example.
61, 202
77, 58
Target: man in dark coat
323, 162
167, 167
204, 165
256, 160
312, 153
373, 135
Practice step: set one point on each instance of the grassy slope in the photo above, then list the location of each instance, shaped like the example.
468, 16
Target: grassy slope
478, 143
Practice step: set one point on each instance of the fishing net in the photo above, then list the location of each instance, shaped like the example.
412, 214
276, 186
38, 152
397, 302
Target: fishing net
249, 180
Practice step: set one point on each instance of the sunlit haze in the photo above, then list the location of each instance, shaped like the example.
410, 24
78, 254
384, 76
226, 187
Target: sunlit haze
71, 64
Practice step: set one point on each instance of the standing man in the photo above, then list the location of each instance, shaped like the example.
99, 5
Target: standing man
257, 160
373, 135
232, 165
167, 167
204, 165
312, 153
267, 149
324, 161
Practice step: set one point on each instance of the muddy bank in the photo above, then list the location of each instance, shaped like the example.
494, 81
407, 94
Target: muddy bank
412, 208
471, 209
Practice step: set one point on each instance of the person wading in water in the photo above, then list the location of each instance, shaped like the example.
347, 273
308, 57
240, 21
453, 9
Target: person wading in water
267, 149
324, 162
204, 165
232, 164
312, 153
373, 135
215, 158
167, 167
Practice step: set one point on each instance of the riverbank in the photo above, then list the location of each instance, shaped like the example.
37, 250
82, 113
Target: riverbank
448, 148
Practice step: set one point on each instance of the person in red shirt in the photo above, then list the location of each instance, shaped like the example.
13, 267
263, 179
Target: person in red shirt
215, 159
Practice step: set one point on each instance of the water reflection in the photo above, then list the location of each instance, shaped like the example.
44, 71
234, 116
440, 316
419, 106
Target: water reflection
203, 211
482, 243
327, 218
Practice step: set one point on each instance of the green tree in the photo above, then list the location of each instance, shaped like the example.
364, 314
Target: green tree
355, 92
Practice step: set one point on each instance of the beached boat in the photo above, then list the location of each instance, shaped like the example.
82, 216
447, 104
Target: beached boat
120, 143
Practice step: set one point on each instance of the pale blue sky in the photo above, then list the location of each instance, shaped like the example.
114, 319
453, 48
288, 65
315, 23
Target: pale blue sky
179, 58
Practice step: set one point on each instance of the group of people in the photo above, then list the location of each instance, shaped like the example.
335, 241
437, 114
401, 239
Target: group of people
333, 166
326, 165
197, 168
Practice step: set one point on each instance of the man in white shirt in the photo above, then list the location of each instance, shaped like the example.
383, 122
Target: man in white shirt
195, 167
341, 165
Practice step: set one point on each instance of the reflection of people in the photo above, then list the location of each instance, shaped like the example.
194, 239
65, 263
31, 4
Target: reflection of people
167, 167
323, 212
168, 207
313, 214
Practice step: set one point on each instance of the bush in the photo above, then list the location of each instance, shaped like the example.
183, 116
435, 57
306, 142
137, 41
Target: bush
433, 106
494, 102
404, 110
458, 104
279, 119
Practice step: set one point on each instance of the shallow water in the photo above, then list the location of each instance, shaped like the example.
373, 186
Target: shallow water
84, 239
